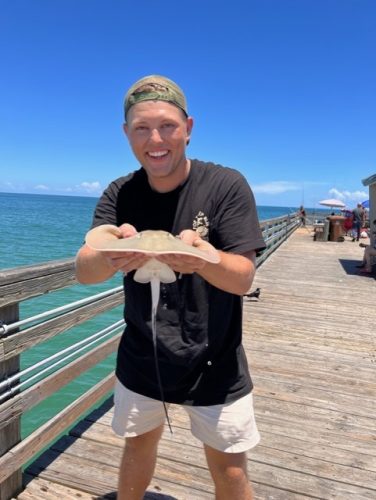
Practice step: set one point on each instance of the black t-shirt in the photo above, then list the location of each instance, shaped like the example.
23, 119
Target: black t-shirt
199, 327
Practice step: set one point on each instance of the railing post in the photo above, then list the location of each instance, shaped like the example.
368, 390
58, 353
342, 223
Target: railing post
10, 434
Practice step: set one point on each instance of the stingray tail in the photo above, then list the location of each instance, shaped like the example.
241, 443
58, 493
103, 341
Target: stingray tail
155, 288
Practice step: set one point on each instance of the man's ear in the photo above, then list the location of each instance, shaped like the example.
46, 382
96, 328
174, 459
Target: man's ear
125, 128
189, 128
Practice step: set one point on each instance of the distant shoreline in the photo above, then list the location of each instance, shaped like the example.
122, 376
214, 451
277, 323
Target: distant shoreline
287, 207
49, 194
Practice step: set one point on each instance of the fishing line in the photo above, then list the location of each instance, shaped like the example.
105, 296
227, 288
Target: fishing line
155, 272
155, 290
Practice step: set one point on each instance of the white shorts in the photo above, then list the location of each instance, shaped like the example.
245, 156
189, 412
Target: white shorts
227, 427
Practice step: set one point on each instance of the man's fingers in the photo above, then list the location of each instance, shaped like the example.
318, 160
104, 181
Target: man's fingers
184, 264
127, 262
127, 230
189, 236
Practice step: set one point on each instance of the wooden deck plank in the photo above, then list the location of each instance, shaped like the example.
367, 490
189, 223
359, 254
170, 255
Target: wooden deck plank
189, 451
294, 444
39, 489
311, 347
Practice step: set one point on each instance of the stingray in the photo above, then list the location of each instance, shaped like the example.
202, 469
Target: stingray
107, 238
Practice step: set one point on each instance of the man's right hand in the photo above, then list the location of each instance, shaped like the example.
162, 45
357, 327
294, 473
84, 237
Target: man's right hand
125, 262
94, 266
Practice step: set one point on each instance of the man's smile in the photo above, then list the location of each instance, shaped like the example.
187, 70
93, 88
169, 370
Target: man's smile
157, 154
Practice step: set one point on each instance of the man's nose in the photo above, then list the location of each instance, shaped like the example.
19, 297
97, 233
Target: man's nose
155, 135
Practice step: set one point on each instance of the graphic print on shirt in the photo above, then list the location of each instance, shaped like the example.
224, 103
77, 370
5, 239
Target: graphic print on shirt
201, 224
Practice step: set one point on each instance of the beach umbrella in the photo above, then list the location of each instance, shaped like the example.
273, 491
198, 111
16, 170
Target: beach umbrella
365, 204
333, 203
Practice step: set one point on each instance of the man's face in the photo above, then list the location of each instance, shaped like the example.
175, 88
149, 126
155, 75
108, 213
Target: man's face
158, 133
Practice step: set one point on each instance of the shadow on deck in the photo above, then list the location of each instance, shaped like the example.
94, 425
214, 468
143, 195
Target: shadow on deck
312, 351
350, 267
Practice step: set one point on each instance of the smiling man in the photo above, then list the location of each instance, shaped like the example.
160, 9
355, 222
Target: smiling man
200, 361
158, 132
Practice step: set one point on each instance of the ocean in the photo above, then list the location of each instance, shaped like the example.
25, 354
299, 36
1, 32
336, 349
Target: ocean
39, 228
36, 228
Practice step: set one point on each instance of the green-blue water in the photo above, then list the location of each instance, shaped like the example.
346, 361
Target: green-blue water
39, 228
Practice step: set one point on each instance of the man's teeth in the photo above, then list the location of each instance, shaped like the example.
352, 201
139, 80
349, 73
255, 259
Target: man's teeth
157, 154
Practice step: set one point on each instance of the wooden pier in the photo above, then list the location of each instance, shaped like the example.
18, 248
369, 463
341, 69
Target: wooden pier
311, 344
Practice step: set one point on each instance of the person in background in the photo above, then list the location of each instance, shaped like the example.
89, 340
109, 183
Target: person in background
369, 252
348, 222
202, 364
358, 221
302, 215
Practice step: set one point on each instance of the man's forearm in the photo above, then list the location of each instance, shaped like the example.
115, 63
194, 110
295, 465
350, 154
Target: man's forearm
92, 266
234, 274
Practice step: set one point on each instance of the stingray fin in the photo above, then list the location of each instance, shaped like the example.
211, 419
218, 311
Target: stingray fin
142, 275
154, 269
166, 274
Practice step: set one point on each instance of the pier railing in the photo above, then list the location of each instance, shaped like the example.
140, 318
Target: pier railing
22, 389
276, 231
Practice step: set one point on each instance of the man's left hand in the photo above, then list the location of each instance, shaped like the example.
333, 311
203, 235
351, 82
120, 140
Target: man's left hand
188, 264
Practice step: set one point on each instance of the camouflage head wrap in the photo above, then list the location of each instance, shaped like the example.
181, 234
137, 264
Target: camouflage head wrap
155, 88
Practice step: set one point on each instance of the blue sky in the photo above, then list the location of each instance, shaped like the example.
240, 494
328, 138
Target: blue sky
282, 90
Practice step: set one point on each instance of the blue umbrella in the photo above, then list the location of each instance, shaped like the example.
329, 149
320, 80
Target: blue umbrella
365, 204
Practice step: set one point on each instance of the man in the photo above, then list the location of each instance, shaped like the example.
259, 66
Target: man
201, 361
358, 221
302, 215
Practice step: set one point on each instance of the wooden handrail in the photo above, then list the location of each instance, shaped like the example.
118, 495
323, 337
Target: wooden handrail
25, 282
